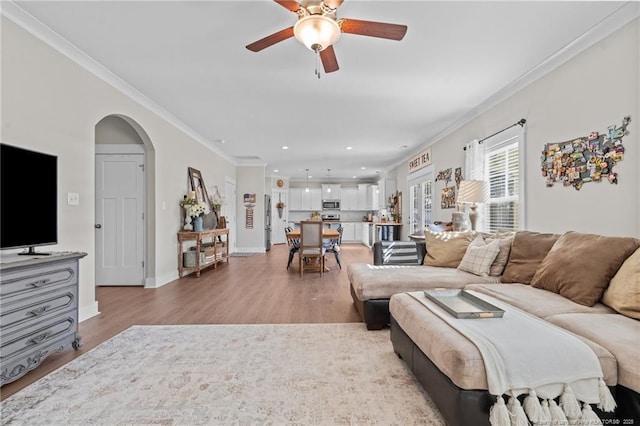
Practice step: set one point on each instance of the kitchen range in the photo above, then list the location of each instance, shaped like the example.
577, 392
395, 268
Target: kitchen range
330, 217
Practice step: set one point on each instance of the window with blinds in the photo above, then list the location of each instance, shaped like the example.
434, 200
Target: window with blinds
502, 168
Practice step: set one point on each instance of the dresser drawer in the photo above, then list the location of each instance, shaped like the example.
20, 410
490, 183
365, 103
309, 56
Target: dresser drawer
15, 282
37, 307
29, 338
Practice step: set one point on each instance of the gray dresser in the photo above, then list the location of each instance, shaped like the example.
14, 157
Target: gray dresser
38, 310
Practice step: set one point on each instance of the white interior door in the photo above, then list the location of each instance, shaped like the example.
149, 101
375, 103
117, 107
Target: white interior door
119, 219
278, 236
229, 210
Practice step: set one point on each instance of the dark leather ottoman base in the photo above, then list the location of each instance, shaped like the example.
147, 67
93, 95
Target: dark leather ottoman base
374, 312
461, 407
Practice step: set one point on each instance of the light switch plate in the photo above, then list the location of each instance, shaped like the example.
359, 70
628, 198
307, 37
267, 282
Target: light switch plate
73, 198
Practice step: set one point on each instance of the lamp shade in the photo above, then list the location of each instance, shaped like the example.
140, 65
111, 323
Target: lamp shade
473, 191
317, 32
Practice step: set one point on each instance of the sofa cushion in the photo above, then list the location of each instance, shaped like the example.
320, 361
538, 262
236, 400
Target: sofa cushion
446, 249
479, 256
528, 249
579, 266
499, 263
538, 302
381, 282
623, 293
454, 354
619, 334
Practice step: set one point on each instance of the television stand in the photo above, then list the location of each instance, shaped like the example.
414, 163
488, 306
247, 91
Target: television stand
32, 252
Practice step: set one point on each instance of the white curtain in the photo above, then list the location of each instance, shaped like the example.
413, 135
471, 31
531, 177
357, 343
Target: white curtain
474, 170
474, 161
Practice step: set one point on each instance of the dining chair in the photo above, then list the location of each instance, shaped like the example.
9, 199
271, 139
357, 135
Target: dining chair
311, 247
294, 245
333, 246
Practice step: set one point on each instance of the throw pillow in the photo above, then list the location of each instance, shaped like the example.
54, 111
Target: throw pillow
479, 256
623, 293
446, 249
579, 266
527, 251
497, 267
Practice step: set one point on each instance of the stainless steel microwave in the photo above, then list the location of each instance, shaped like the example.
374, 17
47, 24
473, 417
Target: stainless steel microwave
330, 204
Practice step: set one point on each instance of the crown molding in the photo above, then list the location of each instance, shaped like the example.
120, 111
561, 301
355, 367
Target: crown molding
39, 30
607, 26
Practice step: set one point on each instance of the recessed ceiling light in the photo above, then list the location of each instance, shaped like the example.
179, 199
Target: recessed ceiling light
310, 176
275, 171
355, 177
220, 141
363, 168
285, 147
349, 147
404, 146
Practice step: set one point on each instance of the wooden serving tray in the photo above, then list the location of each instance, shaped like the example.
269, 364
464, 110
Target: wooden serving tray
462, 304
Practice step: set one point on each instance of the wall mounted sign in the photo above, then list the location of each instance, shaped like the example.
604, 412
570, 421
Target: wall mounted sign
585, 159
249, 204
419, 161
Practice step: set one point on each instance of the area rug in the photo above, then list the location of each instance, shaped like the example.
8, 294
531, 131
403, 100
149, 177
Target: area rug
240, 254
316, 374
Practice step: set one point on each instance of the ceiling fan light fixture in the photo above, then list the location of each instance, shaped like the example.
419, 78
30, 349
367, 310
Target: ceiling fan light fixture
317, 32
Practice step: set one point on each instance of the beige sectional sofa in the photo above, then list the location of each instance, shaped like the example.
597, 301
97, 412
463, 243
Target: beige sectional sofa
586, 284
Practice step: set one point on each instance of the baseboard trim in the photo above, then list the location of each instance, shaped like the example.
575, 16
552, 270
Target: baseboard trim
161, 280
88, 311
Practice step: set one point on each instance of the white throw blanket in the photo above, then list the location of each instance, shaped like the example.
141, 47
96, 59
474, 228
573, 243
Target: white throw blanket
524, 354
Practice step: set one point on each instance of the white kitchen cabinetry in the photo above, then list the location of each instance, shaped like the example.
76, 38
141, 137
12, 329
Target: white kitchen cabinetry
295, 199
348, 232
349, 199
357, 231
331, 191
301, 200
373, 198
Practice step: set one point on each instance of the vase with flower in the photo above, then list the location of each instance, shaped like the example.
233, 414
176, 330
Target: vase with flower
197, 212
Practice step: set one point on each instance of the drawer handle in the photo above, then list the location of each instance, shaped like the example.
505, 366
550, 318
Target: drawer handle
39, 311
39, 283
39, 339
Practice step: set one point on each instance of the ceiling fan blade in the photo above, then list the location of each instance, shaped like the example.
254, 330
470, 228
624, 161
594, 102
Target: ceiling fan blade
333, 4
270, 40
329, 61
374, 29
292, 5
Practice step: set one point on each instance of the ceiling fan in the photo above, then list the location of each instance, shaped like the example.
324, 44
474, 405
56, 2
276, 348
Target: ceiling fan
319, 28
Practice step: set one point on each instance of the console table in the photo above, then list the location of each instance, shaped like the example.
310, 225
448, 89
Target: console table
205, 256
39, 310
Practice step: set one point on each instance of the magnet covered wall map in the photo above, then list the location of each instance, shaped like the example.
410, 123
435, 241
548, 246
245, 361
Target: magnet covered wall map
585, 159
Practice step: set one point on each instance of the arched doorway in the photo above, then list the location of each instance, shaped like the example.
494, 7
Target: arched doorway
124, 203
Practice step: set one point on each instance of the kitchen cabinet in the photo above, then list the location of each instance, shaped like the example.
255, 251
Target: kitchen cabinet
373, 201
301, 200
349, 199
357, 232
331, 191
348, 232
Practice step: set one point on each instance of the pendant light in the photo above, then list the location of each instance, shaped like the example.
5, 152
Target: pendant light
307, 188
328, 178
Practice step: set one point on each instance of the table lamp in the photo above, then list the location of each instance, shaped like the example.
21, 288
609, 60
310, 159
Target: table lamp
473, 192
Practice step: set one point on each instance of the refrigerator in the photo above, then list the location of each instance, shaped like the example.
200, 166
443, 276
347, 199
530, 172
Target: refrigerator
267, 222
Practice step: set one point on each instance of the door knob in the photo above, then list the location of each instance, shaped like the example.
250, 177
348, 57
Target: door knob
97, 226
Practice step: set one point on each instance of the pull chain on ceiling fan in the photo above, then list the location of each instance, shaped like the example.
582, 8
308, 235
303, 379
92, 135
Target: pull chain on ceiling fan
318, 28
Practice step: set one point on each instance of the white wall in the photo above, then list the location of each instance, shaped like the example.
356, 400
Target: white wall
251, 180
589, 92
51, 104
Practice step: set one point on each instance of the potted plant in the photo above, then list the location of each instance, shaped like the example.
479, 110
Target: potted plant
280, 206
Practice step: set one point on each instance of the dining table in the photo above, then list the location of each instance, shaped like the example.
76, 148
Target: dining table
327, 234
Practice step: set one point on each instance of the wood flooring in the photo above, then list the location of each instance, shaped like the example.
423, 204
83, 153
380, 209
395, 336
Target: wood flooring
249, 290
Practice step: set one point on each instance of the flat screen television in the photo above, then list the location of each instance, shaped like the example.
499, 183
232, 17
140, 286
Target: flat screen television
28, 199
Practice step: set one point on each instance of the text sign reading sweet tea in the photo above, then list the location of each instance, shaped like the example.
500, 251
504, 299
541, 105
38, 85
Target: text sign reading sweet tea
419, 161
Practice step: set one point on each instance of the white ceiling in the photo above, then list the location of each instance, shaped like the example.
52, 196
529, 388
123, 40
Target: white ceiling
190, 59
